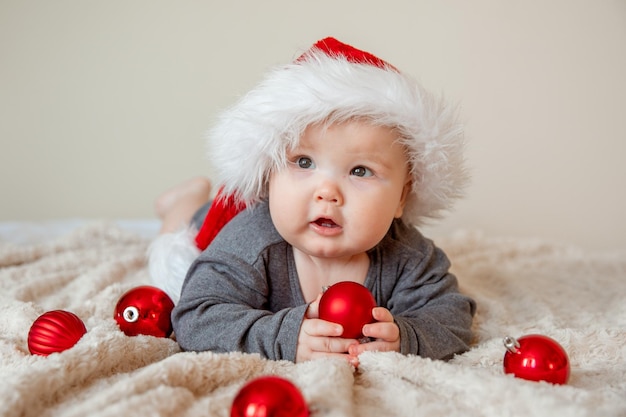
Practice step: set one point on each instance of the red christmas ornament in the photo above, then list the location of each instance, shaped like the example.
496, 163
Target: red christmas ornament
536, 358
145, 310
349, 304
269, 396
55, 331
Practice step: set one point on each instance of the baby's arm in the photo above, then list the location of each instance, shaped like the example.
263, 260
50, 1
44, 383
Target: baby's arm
426, 315
224, 308
433, 317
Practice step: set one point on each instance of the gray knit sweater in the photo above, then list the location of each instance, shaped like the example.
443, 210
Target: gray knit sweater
243, 293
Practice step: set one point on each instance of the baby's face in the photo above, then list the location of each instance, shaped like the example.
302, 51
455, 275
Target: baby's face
341, 189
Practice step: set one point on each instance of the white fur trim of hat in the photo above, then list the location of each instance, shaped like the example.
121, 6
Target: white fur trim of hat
335, 82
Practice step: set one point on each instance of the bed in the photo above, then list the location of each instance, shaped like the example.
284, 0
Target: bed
522, 286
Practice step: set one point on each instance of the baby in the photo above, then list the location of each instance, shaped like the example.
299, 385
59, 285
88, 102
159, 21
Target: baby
324, 169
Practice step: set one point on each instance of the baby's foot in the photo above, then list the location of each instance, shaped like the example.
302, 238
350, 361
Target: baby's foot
176, 206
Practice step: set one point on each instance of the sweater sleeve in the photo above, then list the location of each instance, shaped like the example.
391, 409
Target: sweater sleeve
235, 299
224, 307
434, 318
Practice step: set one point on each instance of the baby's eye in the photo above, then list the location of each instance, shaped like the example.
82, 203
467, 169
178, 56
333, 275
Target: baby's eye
361, 171
305, 162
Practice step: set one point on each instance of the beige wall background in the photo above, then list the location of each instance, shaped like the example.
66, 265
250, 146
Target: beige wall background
105, 104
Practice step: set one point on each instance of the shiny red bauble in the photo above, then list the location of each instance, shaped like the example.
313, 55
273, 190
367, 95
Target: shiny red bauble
55, 331
349, 304
269, 396
536, 358
145, 310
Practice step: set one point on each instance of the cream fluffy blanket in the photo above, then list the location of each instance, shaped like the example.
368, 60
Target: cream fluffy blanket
521, 287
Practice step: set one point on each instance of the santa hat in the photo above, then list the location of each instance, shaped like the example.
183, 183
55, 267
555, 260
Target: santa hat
331, 82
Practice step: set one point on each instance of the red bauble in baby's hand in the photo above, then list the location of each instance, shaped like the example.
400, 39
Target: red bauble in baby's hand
349, 304
269, 396
55, 331
536, 358
145, 310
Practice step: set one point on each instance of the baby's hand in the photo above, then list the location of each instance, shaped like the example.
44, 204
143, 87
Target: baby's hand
319, 338
384, 331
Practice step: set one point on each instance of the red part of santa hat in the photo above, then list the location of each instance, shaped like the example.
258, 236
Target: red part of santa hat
333, 80
223, 209
334, 48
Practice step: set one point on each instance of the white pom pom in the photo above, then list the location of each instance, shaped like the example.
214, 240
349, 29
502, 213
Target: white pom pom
169, 259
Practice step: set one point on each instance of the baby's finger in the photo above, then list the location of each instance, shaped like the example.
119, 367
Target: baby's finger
384, 330
317, 327
375, 346
312, 311
330, 344
350, 359
382, 314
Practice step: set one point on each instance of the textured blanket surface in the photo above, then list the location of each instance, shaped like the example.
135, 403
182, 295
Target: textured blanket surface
521, 286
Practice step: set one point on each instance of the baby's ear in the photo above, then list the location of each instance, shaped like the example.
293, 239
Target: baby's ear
405, 194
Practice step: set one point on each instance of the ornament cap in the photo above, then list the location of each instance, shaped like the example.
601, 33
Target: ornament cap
511, 344
131, 314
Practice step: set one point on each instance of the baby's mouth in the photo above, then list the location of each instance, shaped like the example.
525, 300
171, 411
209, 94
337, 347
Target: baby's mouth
324, 222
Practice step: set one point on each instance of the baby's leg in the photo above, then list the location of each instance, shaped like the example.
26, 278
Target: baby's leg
176, 206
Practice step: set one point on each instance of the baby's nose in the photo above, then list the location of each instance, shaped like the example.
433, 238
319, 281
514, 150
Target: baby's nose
329, 192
